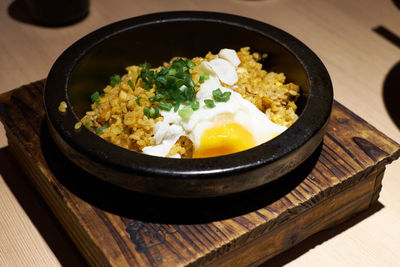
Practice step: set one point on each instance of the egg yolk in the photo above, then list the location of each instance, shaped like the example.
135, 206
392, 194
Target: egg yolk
224, 139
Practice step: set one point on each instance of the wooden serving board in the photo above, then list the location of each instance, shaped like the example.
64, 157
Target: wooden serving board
112, 226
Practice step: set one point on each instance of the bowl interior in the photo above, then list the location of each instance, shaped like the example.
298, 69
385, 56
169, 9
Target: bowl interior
159, 42
86, 66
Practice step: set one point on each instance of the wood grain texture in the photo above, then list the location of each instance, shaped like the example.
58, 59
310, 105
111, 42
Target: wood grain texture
113, 226
16, 225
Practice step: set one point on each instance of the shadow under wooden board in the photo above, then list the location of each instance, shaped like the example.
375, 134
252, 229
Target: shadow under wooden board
112, 226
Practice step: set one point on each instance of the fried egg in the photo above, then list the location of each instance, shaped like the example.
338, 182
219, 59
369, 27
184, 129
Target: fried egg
229, 127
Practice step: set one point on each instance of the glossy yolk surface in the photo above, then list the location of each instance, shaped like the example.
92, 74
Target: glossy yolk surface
224, 139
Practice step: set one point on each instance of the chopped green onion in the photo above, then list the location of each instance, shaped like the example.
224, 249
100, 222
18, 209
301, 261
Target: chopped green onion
95, 97
173, 84
172, 72
146, 75
160, 97
146, 111
151, 112
154, 112
209, 103
131, 83
115, 79
161, 79
183, 88
152, 99
190, 64
99, 130
147, 86
221, 97
165, 106
176, 105
195, 105
163, 71
185, 113
138, 100
203, 77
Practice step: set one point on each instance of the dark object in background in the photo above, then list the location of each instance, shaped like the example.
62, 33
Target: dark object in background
57, 12
391, 93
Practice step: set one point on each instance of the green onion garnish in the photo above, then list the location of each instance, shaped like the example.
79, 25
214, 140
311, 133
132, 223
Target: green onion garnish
221, 97
146, 75
190, 63
209, 103
165, 106
115, 79
195, 105
146, 111
95, 97
174, 84
160, 97
152, 99
151, 112
99, 130
172, 72
131, 84
138, 100
185, 113
154, 112
176, 105
203, 77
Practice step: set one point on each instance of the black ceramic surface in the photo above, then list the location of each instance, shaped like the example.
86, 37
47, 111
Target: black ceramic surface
86, 66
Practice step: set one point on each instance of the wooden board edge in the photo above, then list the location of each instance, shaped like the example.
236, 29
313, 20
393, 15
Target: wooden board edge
358, 202
361, 120
248, 238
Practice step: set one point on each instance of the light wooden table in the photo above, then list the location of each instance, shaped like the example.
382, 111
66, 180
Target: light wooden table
339, 31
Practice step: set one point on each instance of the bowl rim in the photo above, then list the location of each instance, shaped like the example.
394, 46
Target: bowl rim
87, 143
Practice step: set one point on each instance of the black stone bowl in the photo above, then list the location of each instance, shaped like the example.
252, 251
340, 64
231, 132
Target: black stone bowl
86, 66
